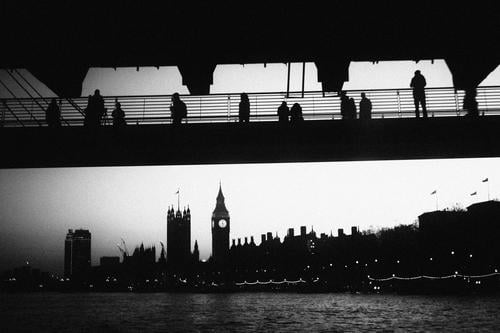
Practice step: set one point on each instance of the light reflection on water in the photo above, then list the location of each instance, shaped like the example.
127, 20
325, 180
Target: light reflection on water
123, 312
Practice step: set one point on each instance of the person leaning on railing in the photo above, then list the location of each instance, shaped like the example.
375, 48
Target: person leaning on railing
470, 103
178, 109
283, 113
118, 115
418, 84
296, 114
53, 114
244, 108
365, 107
95, 110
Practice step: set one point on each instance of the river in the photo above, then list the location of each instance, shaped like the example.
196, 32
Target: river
245, 312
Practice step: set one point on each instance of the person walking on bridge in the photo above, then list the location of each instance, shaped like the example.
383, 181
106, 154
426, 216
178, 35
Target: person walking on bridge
244, 108
418, 85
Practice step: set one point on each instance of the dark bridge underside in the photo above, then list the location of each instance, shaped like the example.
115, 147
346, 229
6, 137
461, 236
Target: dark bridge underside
252, 143
59, 42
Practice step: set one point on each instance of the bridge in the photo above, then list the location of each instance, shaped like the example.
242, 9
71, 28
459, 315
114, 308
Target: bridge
223, 108
212, 133
58, 43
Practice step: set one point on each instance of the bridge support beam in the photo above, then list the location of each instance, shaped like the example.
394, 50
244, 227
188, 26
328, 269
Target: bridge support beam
332, 73
198, 76
469, 71
65, 80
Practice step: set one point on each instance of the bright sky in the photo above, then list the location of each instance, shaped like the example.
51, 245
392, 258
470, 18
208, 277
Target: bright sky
37, 206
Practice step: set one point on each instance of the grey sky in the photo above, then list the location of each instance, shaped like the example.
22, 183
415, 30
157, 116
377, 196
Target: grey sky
37, 206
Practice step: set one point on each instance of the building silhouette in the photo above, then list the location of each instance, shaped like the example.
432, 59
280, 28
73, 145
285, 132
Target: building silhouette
220, 231
77, 254
178, 238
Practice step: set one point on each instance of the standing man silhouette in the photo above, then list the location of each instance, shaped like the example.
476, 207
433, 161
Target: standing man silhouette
178, 109
244, 108
365, 107
283, 113
418, 84
53, 114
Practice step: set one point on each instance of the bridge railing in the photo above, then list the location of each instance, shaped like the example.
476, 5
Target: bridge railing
142, 110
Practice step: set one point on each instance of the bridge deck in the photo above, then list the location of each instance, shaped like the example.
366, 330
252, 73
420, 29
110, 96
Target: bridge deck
258, 142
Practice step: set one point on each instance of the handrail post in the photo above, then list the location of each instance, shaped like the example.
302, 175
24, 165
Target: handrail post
457, 109
3, 113
313, 107
485, 101
303, 77
143, 108
288, 81
256, 108
398, 103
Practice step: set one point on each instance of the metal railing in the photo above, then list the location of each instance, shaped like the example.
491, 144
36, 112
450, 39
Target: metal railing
144, 110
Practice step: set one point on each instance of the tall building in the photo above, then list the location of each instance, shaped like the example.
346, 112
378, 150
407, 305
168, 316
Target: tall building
178, 238
77, 254
220, 231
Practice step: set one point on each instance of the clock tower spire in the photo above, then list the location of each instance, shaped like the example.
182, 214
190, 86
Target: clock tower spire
220, 230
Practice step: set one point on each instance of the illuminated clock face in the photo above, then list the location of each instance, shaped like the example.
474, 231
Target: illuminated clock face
222, 223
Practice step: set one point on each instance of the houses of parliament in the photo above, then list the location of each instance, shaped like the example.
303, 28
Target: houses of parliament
179, 255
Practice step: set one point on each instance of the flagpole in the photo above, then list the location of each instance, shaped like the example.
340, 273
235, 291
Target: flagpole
178, 200
488, 189
486, 180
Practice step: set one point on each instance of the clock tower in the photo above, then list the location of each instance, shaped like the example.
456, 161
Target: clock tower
220, 231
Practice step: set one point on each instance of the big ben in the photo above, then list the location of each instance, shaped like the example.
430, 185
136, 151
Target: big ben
220, 231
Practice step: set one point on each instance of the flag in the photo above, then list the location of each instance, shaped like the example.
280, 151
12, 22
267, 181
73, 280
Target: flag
485, 180
433, 192
474, 193
177, 192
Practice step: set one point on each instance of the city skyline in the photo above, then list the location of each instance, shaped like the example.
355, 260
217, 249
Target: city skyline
132, 202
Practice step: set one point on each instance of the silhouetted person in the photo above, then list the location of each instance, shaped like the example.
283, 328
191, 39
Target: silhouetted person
98, 103
296, 114
244, 108
470, 103
283, 112
344, 105
53, 114
365, 107
95, 109
418, 84
118, 115
352, 109
178, 109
